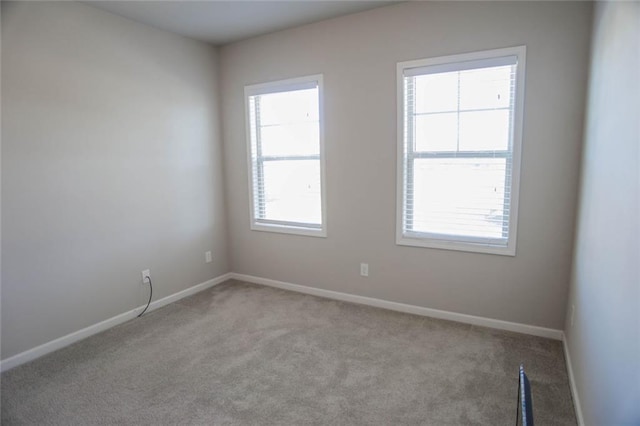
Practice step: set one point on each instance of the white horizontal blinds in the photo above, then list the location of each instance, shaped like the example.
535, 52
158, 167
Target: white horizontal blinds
462, 66
285, 138
458, 150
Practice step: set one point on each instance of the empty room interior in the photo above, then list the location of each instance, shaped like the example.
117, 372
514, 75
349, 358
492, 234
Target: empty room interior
320, 212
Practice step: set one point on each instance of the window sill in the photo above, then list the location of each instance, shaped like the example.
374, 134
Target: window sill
288, 229
508, 250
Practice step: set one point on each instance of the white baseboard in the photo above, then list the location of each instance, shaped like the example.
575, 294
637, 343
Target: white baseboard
402, 307
572, 382
63, 341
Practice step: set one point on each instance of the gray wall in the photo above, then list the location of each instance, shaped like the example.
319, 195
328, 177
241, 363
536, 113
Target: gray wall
357, 55
604, 340
111, 163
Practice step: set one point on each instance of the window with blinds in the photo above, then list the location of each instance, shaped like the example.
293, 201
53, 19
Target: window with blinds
285, 148
459, 138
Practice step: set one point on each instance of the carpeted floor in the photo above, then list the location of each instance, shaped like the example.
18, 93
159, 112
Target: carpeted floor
242, 354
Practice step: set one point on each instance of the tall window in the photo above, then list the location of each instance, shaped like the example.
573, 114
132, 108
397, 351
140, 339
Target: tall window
286, 158
459, 133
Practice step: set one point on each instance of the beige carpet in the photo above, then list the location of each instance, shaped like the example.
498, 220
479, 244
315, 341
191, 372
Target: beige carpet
242, 354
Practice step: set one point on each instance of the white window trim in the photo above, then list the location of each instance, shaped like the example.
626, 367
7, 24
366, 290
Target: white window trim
281, 86
419, 241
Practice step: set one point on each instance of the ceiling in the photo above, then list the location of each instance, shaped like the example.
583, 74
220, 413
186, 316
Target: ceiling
221, 22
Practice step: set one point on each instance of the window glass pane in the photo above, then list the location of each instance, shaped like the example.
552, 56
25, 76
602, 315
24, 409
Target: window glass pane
459, 196
436, 132
484, 130
290, 139
485, 88
458, 143
292, 191
289, 107
436, 92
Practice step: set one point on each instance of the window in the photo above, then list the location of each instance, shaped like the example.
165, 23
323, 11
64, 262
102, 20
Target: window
286, 156
459, 133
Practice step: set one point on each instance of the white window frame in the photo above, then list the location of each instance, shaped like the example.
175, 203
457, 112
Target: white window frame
452, 63
281, 226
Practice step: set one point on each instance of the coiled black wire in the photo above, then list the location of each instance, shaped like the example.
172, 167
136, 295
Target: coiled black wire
150, 295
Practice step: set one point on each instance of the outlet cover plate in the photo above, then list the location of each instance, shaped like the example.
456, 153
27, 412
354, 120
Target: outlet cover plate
364, 269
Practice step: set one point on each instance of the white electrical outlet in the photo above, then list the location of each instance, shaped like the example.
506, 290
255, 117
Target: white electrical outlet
146, 276
364, 269
207, 256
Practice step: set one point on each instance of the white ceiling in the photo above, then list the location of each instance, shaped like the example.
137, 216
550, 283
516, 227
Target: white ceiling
221, 22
